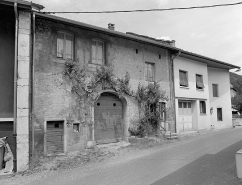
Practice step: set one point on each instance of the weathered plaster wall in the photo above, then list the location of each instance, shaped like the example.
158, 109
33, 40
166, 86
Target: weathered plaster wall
52, 91
23, 91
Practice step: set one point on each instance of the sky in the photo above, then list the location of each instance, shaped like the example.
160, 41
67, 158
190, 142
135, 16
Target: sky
212, 32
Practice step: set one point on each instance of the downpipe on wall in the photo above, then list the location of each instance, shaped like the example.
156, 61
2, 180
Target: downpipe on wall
15, 88
32, 84
173, 79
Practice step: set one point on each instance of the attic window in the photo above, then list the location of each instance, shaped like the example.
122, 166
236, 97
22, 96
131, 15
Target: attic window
159, 56
137, 51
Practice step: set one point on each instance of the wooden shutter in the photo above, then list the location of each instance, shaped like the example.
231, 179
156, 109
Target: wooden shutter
199, 81
183, 78
55, 137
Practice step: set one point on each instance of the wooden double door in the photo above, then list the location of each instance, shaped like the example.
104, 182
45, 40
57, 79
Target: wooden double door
185, 115
108, 124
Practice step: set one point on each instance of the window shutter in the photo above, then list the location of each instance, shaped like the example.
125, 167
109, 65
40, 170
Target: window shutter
183, 78
199, 81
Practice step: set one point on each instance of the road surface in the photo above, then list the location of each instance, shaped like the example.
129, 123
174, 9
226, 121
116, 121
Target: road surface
203, 160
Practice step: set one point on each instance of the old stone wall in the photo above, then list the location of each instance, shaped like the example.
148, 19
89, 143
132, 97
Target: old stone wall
53, 98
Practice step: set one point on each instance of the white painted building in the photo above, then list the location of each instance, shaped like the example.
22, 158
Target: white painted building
202, 93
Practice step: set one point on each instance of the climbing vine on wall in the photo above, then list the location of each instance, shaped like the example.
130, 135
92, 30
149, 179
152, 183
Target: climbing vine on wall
148, 98
87, 85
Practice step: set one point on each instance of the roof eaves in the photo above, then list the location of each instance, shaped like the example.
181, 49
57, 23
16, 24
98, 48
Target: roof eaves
107, 31
210, 59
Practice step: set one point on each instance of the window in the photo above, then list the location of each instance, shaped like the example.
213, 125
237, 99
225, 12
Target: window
97, 52
76, 127
202, 107
219, 114
65, 44
215, 90
149, 72
199, 82
183, 78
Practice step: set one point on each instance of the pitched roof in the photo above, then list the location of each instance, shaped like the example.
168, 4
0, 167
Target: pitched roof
142, 39
107, 31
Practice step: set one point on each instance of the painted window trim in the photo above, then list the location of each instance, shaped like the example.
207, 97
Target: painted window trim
104, 62
154, 73
59, 59
182, 86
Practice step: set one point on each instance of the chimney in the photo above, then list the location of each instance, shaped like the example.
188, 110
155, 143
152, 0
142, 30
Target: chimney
111, 26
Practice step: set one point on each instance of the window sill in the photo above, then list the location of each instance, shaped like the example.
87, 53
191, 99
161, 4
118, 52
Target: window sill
203, 114
200, 89
183, 87
60, 60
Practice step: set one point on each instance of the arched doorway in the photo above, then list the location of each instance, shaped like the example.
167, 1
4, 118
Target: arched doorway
108, 118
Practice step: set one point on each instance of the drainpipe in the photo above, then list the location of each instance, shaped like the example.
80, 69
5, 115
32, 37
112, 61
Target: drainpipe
15, 88
173, 79
32, 89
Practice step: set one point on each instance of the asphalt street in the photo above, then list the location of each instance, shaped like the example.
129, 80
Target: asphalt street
207, 159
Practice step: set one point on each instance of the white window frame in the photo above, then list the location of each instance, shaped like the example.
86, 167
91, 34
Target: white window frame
64, 46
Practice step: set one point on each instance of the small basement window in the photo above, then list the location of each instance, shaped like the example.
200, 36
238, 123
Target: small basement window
76, 127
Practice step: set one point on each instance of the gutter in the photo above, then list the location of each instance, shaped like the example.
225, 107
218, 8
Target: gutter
15, 88
173, 79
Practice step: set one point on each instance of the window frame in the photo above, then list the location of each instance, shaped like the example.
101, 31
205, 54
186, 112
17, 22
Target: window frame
64, 45
218, 118
146, 71
202, 107
186, 74
103, 52
217, 94
201, 81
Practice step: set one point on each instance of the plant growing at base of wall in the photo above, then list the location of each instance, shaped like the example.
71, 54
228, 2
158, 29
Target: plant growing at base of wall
148, 98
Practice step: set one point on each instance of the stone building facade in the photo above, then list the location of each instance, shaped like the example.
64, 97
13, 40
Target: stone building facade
55, 103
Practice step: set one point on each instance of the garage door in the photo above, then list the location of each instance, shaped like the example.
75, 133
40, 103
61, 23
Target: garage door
108, 124
55, 137
6, 129
185, 115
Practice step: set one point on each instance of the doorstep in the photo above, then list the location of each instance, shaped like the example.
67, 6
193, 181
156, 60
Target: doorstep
188, 132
